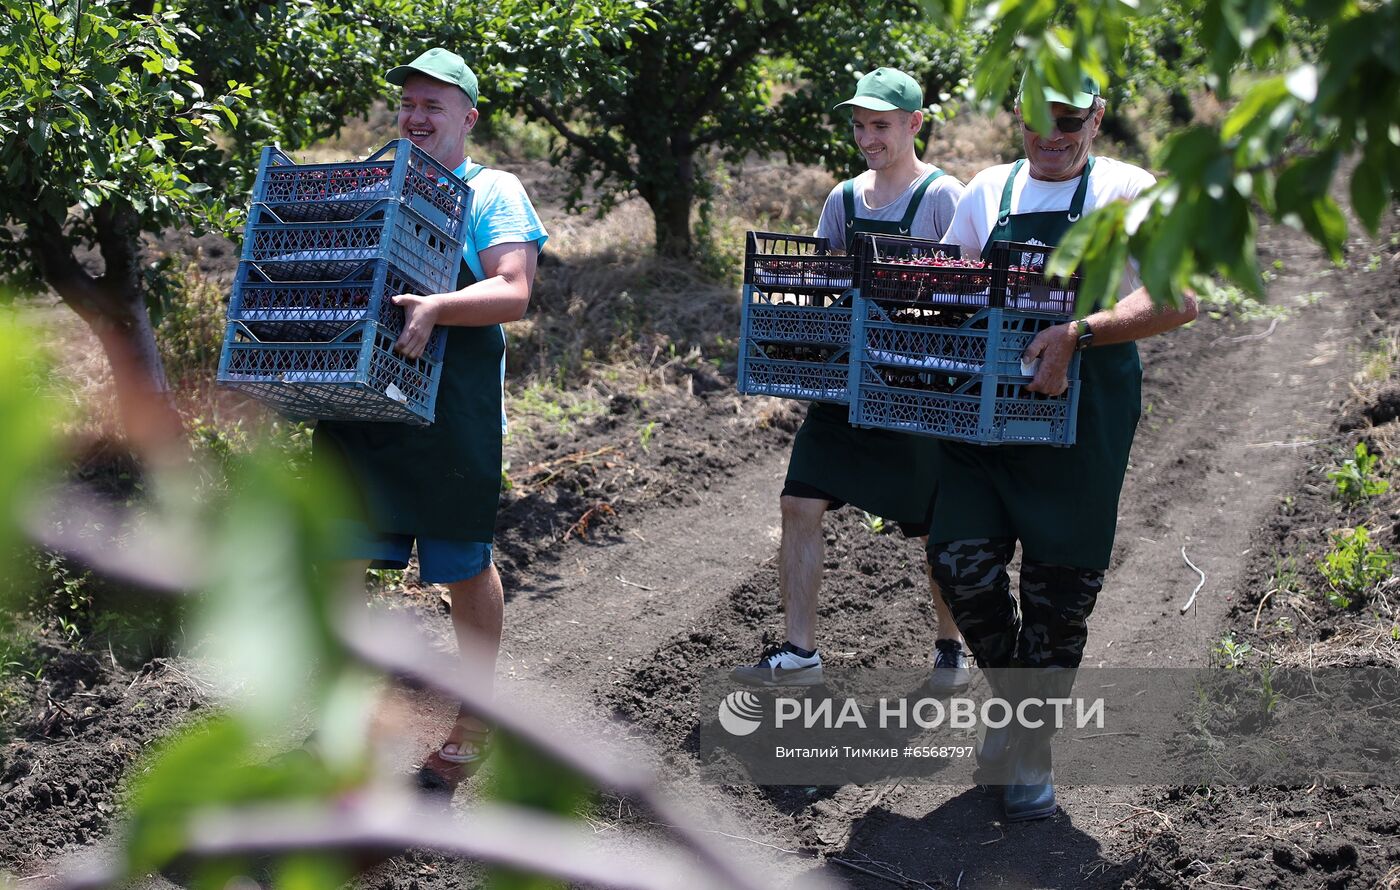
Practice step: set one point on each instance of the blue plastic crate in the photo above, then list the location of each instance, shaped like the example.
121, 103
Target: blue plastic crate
400, 171
822, 378
889, 271
322, 310
795, 264
985, 410
357, 376
913, 371
329, 251
1022, 284
771, 316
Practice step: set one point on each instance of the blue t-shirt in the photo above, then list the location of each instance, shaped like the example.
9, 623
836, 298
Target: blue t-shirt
500, 213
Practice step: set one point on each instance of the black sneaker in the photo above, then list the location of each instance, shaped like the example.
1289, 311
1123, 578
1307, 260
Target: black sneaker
781, 666
950, 672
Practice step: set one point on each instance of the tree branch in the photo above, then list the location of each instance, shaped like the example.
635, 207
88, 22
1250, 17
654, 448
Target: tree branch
54, 250
610, 159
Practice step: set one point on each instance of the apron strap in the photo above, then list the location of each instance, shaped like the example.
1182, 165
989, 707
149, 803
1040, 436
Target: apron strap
848, 200
471, 171
1004, 213
1076, 206
906, 225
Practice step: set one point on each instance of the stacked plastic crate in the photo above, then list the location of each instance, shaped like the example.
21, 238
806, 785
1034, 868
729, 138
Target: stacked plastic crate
795, 334
311, 323
937, 342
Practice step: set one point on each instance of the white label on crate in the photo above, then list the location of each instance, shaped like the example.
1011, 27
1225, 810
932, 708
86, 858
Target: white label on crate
1028, 368
396, 394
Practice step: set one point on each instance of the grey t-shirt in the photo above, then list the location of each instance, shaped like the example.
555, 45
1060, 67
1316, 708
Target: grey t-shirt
934, 216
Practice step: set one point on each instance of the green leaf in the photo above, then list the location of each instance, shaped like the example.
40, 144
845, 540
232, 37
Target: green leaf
153, 66
1165, 258
1257, 104
1104, 272
1328, 225
39, 139
1369, 192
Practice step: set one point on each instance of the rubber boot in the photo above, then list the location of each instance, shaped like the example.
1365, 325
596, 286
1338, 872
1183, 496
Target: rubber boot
994, 743
1030, 792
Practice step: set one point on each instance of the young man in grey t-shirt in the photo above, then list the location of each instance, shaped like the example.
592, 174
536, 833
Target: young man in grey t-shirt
833, 463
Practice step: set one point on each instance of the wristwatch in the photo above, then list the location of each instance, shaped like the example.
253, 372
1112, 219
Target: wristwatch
1084, 335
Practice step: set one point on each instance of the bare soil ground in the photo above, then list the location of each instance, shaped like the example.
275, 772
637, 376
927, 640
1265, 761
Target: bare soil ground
635, 564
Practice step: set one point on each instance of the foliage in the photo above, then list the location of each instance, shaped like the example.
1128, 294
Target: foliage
1222, 300
671, 81
1353, 566
1355, 478
190, 330
1322, 85
1232, 653
119, 119
137, 145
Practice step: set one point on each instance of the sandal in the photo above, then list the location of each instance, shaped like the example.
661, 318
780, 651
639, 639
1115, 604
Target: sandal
455, 762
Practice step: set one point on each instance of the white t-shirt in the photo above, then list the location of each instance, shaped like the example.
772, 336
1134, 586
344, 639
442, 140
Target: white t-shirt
977, 212
930, 221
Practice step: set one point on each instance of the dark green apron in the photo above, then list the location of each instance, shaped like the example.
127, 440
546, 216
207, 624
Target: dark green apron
1062, 503
440, 481
889, 474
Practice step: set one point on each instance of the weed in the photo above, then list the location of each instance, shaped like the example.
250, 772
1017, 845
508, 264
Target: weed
876, 525
1285, 578
1227, 300
1380, 362
506, 483
1277, 265
1284, 624
384, 578
1268, 696
1353, 566
1311, 298
1233, 653
1355, 479
192, 316
646, 433
1373, 263
69, 595
552, 404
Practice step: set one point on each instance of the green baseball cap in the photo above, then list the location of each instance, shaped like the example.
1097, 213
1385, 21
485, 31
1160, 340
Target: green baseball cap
1082, 99
439, 64
886, 89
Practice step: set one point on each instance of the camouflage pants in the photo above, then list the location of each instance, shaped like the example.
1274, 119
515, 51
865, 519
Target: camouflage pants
1051, 624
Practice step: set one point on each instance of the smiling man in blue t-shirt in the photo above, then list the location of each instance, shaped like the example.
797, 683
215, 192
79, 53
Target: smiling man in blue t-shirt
438, 487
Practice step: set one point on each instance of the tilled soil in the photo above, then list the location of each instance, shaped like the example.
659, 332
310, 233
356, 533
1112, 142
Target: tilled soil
633, 570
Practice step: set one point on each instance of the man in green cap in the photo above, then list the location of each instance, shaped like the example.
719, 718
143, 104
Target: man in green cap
1060, 504
885, 473
438, 486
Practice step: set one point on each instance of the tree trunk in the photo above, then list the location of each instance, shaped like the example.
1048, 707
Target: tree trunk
114, 308
670, 199
672, 215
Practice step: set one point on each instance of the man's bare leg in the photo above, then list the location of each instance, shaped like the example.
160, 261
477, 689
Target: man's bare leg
800, 558
478, 608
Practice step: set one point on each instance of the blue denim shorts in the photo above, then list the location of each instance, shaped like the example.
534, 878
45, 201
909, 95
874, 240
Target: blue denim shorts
440, 560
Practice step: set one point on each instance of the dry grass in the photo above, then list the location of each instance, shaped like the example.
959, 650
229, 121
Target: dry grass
972, 142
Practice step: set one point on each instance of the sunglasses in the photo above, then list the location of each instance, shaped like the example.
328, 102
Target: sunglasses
1066, 124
